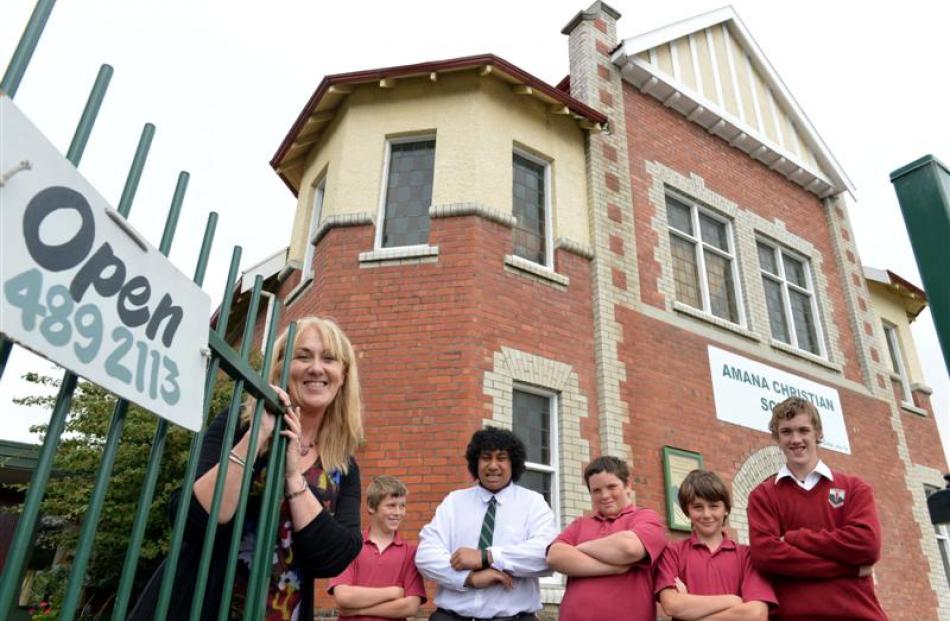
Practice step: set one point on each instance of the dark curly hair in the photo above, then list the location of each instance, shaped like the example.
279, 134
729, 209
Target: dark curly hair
496, 439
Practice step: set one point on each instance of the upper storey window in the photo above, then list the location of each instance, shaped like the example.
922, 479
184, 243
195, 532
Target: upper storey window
703, 253
315, 210
408, 192
790, 298
531, 197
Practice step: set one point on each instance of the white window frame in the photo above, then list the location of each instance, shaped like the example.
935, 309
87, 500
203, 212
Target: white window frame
316, 212
552, 469
695, 207
384, 185
777, 251
548, 204
896, 352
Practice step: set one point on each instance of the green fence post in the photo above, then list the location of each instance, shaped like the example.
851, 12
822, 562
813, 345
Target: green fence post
923, 191
270, 504
87, 536
24, 49
23, 535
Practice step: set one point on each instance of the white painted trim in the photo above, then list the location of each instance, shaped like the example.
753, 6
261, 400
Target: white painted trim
384, 181
753, 84
714, 60
703, 105
675, 59
654, 58
732, 72
697, 69
627, 51
548, 203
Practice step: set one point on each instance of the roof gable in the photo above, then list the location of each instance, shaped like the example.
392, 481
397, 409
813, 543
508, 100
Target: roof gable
710, 69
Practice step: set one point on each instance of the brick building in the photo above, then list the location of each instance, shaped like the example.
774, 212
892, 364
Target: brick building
637, 259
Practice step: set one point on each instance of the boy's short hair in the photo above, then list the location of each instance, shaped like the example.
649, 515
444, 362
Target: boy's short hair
383, 487
789, 409
706, 485
609, 464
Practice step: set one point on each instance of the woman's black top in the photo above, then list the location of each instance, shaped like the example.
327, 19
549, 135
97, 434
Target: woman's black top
321, 549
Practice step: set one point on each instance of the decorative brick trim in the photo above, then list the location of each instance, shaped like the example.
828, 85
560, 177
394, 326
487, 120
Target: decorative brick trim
938, 577
545, 274
574, 247
472, 209
755, 469
747, 226
716, 321
924, 388
512, 365
400, 255
339, 221
609, 187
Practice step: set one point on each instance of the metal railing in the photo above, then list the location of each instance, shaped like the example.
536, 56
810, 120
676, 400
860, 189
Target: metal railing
223, 358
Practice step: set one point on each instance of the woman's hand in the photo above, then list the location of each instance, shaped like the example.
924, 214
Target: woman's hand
292, 433
266, 430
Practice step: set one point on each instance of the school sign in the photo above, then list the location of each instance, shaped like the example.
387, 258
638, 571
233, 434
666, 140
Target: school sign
82, 288
745, 392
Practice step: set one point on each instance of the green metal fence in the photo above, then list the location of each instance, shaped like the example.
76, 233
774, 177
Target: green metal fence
223, 358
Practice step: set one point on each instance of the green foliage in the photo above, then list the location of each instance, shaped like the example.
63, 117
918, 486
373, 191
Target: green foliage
74, 473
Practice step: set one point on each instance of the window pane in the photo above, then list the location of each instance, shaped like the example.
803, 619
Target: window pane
794, 271
722, 291
713, 232
532, 423
804, 321
409, 193
773, 299
528, 203
685, 273
539, 482
767, 259
677, 215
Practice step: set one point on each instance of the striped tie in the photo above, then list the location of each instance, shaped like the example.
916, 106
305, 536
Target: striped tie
488, 526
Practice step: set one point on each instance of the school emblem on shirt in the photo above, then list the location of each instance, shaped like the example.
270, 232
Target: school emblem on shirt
836, 497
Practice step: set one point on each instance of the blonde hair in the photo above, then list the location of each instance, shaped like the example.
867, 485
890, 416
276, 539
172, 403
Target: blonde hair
789, 409
382, 488
341, 429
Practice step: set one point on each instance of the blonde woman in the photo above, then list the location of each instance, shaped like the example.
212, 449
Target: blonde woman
319, 528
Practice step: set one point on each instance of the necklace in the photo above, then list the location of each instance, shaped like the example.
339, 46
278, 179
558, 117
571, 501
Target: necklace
305, 449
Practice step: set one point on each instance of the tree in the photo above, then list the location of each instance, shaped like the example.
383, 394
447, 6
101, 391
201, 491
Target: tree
74, 472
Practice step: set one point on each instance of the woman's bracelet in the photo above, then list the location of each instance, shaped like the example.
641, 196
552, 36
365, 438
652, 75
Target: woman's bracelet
300, 491
232, 456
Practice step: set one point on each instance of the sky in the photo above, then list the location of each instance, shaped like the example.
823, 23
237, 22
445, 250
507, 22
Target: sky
223, 82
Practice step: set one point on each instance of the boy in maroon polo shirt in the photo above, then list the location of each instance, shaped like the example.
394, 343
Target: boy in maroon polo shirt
814, 532
609, 556
383, 582
709, 576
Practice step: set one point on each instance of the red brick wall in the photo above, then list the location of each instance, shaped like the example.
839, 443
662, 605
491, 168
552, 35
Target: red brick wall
923, 440
657, 133
668, 385
426, 334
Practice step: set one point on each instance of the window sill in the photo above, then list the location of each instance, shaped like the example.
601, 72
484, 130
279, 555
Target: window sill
297, 292
536, 271
788, 349
716, 321
400, 255
913, 409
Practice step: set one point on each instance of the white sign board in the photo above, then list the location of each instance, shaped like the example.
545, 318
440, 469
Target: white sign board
745, 392
80, 287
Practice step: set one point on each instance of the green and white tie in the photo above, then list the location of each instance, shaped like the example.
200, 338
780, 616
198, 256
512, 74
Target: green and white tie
488, 526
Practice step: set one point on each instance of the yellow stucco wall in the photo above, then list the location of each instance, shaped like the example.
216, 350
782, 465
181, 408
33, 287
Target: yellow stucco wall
888, 307
476, 121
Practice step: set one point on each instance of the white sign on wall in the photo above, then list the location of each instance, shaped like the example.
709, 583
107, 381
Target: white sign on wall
80, 287
745, 392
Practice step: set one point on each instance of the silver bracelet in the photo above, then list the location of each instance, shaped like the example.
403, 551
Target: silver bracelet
232, 456
300, 491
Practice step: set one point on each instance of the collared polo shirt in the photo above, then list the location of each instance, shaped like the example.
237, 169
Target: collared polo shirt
394, 566
625, 596
727, 571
